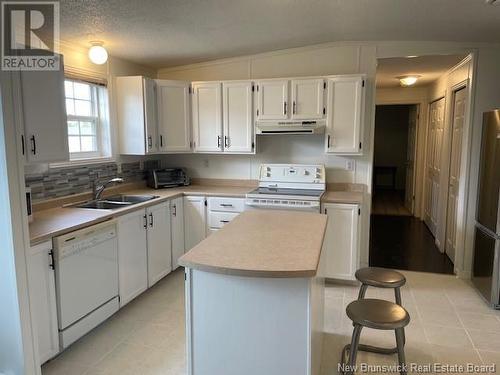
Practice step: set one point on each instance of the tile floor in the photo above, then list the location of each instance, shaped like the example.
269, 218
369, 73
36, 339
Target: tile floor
450, 325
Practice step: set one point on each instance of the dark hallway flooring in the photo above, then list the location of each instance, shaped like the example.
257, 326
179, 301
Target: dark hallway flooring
405, 243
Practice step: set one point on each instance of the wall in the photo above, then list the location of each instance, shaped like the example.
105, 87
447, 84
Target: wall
391, 140
311, 61
356, 57
44, 178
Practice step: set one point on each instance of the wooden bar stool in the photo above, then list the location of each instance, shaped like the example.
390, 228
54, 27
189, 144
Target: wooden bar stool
375, 314
380, 278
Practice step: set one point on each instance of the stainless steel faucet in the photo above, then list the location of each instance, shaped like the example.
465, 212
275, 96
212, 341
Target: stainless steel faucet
97, 190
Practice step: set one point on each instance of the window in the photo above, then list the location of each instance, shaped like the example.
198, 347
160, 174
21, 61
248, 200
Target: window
87, 117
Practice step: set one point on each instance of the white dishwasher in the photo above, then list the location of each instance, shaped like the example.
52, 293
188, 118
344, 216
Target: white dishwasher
86, 266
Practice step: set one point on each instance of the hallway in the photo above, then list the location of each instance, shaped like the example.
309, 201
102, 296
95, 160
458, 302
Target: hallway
405, 243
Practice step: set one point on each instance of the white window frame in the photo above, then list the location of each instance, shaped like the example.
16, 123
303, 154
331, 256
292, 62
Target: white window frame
99, 99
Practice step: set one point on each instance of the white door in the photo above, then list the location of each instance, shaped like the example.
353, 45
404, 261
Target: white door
238, 122
344, 115
410, 159
132, 255
272, 102
42, 293
159, 242
150, 115
44, 115
459, 107
177, 224
207, 117
434, 146
194, 221
341, 245
173, 116
307, 99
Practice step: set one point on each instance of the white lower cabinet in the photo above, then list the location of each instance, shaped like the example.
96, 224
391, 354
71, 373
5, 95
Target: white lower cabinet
194, 221
341, 244
42, 294
159, 241
221, 211
132, 255
177, 225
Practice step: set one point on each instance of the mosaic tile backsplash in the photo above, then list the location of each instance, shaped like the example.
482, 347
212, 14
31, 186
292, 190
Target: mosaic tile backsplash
61, 182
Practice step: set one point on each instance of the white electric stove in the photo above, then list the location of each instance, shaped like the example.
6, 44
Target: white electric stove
288, 186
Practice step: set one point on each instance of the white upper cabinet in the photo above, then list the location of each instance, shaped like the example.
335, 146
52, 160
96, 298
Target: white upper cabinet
136, 105
308, 99
174, 117
43, 112
272, 100
345, 99
207, 117
237, 114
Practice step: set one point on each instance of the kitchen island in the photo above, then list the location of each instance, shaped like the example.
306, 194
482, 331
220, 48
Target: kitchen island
254, 297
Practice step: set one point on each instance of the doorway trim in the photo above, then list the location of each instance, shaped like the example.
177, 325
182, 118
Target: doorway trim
418, 208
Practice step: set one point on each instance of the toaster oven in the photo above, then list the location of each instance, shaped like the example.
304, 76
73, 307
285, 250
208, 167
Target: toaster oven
167, 177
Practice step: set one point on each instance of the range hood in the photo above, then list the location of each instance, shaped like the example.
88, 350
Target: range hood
291, 127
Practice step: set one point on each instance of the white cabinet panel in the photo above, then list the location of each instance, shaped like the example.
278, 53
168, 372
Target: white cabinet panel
44, 115
238, 121
226, 204
307, 99
344, 115
132, 256
341, 244
194, 221
42, 294
136, 106
207, 117
159, 242
177, 225
272, 100
174, 116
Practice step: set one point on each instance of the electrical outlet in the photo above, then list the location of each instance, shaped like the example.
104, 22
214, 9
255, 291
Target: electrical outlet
350, 165
206, 164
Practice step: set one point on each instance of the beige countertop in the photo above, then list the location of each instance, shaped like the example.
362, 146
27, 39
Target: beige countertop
51, 222
262, 243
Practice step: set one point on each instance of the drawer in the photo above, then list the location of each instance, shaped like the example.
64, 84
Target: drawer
226, 204
219, 219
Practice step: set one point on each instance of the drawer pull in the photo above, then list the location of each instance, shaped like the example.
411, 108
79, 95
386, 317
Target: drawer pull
224, 221
226, 205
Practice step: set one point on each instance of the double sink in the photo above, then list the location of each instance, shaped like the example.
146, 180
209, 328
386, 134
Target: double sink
114, 202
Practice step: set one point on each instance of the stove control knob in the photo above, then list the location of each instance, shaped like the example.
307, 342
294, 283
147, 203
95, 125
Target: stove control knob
318, 176
318, 170
268, 174
306, 172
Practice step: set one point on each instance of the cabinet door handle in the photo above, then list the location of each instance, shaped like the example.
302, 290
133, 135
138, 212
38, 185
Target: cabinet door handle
226, 141
22, 143
51, 264
161, 140
174, 208
33, 144
328, 141
151, 220
284, 108
145, 221
294, 107
150, 142
218, 140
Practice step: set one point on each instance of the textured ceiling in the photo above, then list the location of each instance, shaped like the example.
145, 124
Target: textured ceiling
429, 68
162, 33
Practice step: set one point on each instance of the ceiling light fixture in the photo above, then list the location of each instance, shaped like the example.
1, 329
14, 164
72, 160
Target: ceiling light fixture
97, 53
406, 81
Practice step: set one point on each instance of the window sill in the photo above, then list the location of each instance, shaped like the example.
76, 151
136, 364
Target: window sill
77, 162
